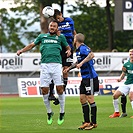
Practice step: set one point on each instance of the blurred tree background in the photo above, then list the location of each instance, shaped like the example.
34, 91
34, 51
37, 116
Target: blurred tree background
95, 22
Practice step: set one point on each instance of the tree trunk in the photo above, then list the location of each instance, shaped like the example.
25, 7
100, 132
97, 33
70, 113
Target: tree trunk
110, 27
43, 21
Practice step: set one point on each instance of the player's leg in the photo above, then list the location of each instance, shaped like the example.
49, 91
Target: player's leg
57, 78
123, 106
44, 83
61, 97
94, 86
119, 92
65, 78
85, 106
66, 62
51, 94
131, 98
116, 104
51, 91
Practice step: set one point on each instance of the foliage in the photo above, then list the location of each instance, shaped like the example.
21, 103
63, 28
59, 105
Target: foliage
16, 22
92, 22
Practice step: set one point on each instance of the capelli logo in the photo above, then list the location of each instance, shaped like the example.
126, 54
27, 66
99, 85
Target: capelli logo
11, 63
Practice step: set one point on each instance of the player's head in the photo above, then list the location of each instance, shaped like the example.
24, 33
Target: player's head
58, 15
131, 54
79, 38
53, 27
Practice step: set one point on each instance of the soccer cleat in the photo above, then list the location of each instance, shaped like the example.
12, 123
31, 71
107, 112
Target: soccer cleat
61, 118
85, 124
123, 115
114, 115
51, 97
50, 120
91, 126
131, 117
56, 102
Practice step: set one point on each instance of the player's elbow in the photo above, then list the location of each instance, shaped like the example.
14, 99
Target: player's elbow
92, 55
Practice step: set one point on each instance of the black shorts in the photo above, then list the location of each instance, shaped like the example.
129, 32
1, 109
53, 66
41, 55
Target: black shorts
89, 86
66, 61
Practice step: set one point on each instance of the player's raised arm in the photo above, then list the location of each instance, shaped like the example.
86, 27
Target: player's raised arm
26, 48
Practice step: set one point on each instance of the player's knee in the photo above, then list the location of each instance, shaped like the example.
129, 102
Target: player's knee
44, 90
59, 90
131, 96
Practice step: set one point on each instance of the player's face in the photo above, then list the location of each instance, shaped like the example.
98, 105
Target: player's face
131, 55
59, 18
53, 28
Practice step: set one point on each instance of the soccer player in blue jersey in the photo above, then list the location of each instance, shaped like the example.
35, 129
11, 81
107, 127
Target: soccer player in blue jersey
89, 83
66, 27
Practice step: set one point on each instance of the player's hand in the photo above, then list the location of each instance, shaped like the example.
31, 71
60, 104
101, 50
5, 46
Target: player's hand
58, 33
66, 70
118, 80
19, 52
68, 52
78, 65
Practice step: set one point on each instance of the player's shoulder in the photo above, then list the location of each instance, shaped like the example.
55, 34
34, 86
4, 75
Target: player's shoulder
68, 19
84, 47
61, 36
43, 34
126, 63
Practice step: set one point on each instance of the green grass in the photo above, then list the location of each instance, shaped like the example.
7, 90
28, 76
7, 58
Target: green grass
28, 115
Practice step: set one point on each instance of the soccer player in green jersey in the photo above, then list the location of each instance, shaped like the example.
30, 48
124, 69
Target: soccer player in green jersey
51, 66
127, 88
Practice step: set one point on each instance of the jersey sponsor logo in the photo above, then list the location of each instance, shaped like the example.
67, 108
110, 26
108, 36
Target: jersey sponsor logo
64, 26
50, 41
130, 71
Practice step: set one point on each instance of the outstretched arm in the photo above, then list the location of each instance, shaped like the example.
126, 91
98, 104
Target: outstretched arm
70, 68
26, 48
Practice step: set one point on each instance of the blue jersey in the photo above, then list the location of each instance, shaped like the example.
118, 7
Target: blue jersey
67, 28
87, 70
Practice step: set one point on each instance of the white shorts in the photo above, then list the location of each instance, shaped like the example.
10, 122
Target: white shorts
125, 89
51, 71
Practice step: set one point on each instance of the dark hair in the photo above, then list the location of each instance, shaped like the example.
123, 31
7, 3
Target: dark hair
55, 21
56, 12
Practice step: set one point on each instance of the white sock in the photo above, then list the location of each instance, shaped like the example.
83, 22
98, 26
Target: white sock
132, 104
62, 102
116, 105
47, 103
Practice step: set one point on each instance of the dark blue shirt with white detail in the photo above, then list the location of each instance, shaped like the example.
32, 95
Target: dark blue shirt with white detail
67, 28
87, 70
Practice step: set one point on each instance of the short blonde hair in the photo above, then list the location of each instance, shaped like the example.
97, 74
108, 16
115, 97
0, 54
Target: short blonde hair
80, 37
131, 50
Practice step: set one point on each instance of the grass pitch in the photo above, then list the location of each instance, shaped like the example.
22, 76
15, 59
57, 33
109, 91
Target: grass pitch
28, 115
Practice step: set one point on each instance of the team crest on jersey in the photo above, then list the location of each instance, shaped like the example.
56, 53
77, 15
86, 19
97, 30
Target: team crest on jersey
56, 37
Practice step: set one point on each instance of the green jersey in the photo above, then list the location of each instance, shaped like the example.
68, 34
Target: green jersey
129, 72
51, 47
